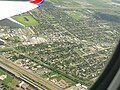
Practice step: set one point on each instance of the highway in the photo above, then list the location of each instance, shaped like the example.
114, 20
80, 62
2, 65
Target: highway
21, 71
21, 78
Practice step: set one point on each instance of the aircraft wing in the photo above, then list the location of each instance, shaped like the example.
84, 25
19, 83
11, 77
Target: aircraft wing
10, 8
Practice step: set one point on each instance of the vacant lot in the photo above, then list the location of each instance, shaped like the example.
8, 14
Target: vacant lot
8, 79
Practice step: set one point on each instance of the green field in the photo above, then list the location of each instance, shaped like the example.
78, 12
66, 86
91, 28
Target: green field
14, 83
53, 75
36, 10
27, 20
74, 14
5, 49
10, 82
8, 79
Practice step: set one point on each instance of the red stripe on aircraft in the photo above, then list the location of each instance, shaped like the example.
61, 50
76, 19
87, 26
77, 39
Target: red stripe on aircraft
36, 1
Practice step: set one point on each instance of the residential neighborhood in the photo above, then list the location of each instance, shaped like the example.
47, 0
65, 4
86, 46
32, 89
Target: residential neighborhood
69, 45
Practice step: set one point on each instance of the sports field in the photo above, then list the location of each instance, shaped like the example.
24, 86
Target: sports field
27, 20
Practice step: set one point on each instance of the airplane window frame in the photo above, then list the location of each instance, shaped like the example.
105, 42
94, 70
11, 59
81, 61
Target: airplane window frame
109, 72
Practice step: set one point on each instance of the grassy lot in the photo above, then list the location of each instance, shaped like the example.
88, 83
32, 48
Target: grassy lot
53, 75
74, 14
27, 20
36, 10
8, 79
5, 49
14, 83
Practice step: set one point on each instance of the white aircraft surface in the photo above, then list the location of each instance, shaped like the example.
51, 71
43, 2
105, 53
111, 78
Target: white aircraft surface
10, 8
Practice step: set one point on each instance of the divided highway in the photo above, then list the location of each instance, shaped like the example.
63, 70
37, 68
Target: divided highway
24, 72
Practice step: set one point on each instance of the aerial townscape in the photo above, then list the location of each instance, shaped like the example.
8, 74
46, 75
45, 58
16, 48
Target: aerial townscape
65, 45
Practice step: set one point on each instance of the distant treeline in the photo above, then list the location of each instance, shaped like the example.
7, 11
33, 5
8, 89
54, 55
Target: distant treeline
116, 1
108, 17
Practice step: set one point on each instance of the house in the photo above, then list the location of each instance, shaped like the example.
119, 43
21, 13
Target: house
2, 77
23, 85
